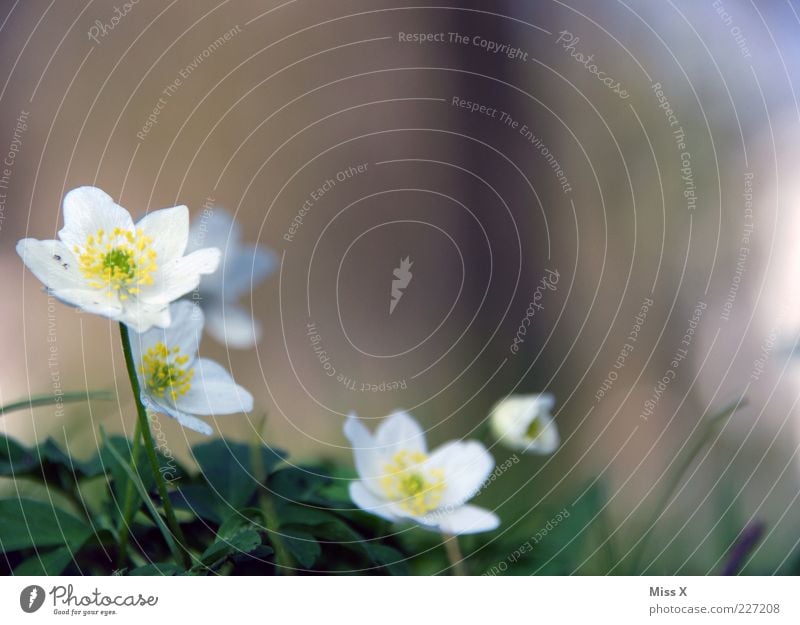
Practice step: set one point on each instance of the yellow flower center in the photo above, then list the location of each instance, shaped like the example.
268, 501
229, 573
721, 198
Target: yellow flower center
165, 372
416, 489
121, 261
534, 429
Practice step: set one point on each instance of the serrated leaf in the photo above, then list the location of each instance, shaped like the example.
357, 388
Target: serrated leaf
27, 523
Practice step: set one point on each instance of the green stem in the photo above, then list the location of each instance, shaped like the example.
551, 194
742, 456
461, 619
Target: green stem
454, 555
150, 449
284, 561
128, 508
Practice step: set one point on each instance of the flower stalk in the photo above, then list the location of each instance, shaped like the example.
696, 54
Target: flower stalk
150, 450
454, 555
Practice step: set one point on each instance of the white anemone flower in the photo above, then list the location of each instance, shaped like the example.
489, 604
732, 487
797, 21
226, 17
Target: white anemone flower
176, 382
105, 264
524, 423
243, 266
400, 481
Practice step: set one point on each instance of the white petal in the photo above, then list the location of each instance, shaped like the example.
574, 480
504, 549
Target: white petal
214, 392
186, 329
178, 276
232, 325
214, 228
87, 210
169, 229
464, 520
466, 467
367, 501
398, 432
512, 417
51, 262
142, 316
193, 423
243, 268
186, 420
91, 301
368, 459
548, 439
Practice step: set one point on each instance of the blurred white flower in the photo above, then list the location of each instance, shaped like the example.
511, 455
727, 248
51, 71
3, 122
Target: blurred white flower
174, 381
243, 267
399, 480
524, 423
106, 265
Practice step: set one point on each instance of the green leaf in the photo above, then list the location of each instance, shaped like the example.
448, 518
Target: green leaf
243, 541
26, 523
50, 563
391, 559
202, 502
227, 467
14, 458
161, 568
303, 547
50, 400
299, 485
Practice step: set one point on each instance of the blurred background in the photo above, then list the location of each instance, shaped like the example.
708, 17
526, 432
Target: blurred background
638, 156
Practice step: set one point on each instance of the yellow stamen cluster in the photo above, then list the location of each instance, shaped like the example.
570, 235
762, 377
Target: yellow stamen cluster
121, 261
416, 489
165, 372
534, 429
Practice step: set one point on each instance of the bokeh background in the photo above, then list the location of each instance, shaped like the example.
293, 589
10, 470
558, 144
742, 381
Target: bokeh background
255, 105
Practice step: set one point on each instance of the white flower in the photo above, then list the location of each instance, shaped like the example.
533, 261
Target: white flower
174, 381
106, 265
524, 423
399, 480
243, 266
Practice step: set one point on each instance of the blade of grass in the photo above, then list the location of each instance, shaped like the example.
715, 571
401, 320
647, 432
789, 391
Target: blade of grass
173, 547
49, 400
678, 475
